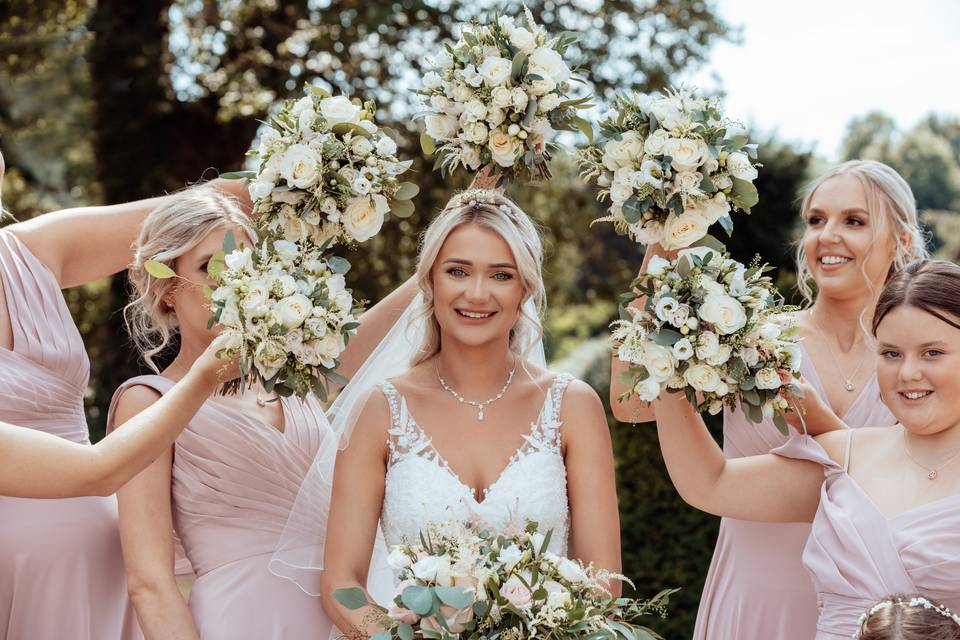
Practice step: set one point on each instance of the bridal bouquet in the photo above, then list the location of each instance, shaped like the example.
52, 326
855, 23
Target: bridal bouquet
327, 171
496, 97
670, 168
711, 326
464, 582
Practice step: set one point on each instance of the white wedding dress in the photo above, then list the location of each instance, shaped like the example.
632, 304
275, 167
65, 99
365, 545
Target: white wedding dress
421, 488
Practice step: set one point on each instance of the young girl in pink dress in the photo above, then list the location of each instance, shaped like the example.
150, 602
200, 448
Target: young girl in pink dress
225, 489
883, 501
860, 225
61, 573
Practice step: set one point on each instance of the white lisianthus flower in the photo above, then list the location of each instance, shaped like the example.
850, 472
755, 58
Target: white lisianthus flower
269, 358
470, 157
444, 60
293, 310
257, 295
432, 80
750, 356
495, 117
523, 40
548, 103
770, 331
495, 71
649, 232
339, 109
510, 556
503, 148
286, 251
683, 230
686, 154
738, 164
285, 285
571, 571
363, 217
386, 146
303, 104
702, 377
502, 97
471, 75
654, 143
680, 315
620, 193
506, 24
475, 110
650, 173
239, 259
268, 138
647, 390
665, 307
768, 378
300, 166
723, 312
519, 98
427, 568
440, 127
683, 349
658, 266
724, 351
660, 362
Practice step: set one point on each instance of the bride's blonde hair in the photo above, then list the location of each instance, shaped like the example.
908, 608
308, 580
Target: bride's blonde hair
495, 211
167, 233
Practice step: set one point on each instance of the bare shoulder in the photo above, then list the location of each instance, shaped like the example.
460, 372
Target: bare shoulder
132, 401
863, 441
373, 420
582, 412
834, 443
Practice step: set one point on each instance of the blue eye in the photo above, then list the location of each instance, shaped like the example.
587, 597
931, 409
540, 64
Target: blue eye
456, 272
933, 353
503, 277
889, 354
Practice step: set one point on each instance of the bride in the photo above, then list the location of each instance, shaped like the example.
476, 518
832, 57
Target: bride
467, 425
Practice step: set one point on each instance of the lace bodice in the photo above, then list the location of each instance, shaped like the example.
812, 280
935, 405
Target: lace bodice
421, 488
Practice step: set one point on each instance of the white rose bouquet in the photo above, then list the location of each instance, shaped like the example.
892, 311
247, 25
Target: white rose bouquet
285, 313
713, 328
327, 172
462, 582
671, 168
495, 98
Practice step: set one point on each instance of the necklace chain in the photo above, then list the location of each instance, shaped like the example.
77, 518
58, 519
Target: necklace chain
932, 472
479, 404
849, 386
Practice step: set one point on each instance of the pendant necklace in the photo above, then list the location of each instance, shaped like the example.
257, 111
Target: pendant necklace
479, 404
932, 472
848, 382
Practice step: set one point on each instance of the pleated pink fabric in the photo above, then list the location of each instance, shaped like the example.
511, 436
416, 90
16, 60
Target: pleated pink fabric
757, 587
234, 482
856, 555
61, 570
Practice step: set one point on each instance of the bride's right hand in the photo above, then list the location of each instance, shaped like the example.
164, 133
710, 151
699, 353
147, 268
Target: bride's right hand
212, 368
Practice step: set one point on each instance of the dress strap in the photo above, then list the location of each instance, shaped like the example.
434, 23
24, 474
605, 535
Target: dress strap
550, 414
393, 399
846, 452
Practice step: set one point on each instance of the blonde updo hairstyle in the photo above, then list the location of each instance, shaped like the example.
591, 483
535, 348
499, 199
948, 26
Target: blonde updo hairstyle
495, 211
891, 204
908, 617
168, 233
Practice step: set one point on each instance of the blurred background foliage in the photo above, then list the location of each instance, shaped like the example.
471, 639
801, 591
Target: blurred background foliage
110, 100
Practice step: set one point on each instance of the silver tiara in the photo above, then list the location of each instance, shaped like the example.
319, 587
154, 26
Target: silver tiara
916, 601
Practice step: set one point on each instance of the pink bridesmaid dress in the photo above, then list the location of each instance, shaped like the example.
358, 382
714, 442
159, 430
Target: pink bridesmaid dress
757, 587
234, 481
61, 570
857, 555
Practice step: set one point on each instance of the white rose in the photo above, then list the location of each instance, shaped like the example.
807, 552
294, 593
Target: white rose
724, 351
339, 109
715, 208
768, 378
440, 127
431, 568
623, 152
285, 284
702, 377
685, 154
432, 80
495, 71
738, 164
300, 166
571, 571
470, 157
648, 390
519, 98
503, 148
658, 266
495, 116
440, 103
239, 259
268, 138
655, 142
444, 60
750, 356
620, 193
522, 39
649, 232
688, 181
682, 349
506, 23
683, 230
708, 344
257, 295
386, 146
260, 189
269, 358
328, 347
328, 206
679, 316
462, 93
722, 182
510, 556
475, 132
286, 250
502, 97
398, 559
724, 312
363, 217
361, 147
361, 186
548, 102
660, 362
769, 331
475, 110
293, 310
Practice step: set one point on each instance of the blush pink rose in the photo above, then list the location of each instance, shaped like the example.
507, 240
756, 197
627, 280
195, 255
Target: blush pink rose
516, 593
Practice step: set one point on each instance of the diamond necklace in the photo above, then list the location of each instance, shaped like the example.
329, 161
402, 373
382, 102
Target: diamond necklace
932, 472
479, 404
849, 386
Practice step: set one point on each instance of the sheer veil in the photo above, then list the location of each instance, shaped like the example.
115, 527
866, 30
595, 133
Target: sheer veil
299, 552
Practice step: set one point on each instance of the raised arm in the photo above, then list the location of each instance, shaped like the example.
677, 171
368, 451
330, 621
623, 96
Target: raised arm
765, 488
39, 465
83, 244
146, 534
358, 486
634, 409
591, 481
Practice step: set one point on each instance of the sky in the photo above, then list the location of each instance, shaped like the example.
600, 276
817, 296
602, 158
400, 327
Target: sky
804, 69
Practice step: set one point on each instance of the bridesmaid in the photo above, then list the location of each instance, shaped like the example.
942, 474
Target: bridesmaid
226, 487
860, 225
883, 501
61, 572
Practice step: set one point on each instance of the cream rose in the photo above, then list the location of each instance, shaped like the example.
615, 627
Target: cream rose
440, 127
260, 189
647, 390
768, 378
659, 361
655, 142
702, 377
708, 345
623, 152
339, 109
269, 358
724, 312
503, 148
522, 39
649, 232
363, 217
502, 97
293, 310
495, 71
432, 80
548, 102
683, 230
300, 166
738, 164
685, 154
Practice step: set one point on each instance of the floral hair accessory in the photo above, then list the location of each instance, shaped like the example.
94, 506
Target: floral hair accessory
915, 601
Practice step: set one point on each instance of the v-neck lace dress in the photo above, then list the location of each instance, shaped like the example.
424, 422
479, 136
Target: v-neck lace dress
421, 488
234, 480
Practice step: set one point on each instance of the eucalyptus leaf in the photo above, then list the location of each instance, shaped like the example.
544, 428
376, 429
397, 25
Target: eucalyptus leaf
453, 597
666, 337
343, 128
352, 598
418, 599
727, 223
711, 243
427, 143
781, 423
519, 66
406, 191
159, 270
401, 208
584, 126
229, 242
239, 175
338, 264
216, 265
383, 635
745, 192
631, 210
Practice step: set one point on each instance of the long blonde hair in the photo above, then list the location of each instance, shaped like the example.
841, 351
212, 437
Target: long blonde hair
495, 211
168, 233
889, 200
